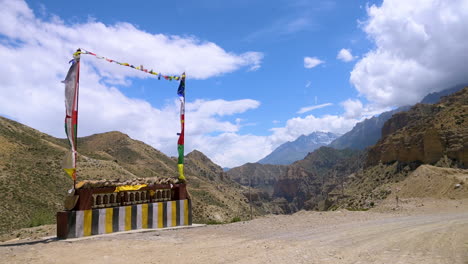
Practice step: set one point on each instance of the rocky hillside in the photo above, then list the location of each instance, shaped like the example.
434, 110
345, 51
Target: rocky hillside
290, 152
369, 131
426, 134
329, 178
262, 176
33, 183
365, 133
435, 97
304, 184
307, 183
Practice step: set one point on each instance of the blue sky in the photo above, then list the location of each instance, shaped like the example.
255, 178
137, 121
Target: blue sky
252, 66
284, 31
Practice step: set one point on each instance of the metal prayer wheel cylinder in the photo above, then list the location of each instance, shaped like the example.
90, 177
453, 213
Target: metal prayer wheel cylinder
106, 197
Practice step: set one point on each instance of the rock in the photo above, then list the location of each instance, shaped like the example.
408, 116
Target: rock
426, 134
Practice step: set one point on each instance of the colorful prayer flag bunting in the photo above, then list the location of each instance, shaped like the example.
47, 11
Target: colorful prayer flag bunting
71, 106
140, 68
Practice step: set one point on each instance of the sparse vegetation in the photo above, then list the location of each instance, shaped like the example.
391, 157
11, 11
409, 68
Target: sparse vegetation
236, 219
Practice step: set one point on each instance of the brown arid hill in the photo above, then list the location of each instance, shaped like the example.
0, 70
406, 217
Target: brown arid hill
307, 183
262, 176
33, 185
216, 198
427, 188
426, 134
434, 182
434, 134
304, 184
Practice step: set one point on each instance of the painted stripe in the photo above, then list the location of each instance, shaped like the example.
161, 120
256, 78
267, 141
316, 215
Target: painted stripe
134, 217
71, 224
161, 214
128, 218
181, 210
138, 216
168, 214
87, 222
110, 220
102, 221
79, 223
144, 215
185, 208
174, 213
151, 216
95, 222
122, 218
164, 213
189, 212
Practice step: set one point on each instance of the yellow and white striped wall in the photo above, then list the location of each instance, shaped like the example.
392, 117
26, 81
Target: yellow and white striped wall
123, 218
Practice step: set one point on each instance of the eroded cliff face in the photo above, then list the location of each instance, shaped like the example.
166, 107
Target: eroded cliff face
426, 134
302, 185
262, 176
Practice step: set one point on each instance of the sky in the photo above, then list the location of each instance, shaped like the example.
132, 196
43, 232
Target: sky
259, 73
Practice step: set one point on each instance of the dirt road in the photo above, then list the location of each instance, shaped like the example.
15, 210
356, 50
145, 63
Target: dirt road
305, 237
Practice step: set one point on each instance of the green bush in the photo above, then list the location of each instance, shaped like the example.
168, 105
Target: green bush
236, 219
214, 222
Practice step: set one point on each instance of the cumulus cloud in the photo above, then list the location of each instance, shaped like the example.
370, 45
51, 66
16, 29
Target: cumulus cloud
311, 62
201, 59
37, 51
313, 107
420, 48
353, 108
345, 55
231, 149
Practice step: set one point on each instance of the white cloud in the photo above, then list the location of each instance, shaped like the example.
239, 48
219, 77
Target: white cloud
313, 107
229, 149
303, 126
353, 108
311, 62
123, 41
420, 48
308, 84
204, 115
35, 53
345, 55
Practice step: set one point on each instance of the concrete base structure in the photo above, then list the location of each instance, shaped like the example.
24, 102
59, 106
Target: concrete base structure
71, 224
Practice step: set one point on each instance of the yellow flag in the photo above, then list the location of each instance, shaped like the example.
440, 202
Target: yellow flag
181, 172
68, 164
129, 187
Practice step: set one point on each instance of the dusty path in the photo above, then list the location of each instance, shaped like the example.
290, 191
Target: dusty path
306, 237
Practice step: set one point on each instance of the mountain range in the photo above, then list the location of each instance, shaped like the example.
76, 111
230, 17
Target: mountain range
366, 133
326, 178
33, 185
292, 151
